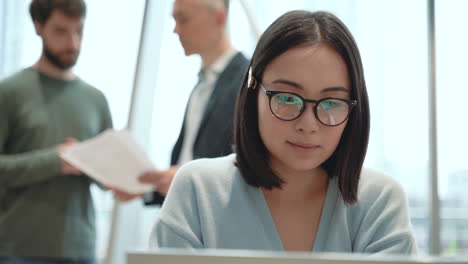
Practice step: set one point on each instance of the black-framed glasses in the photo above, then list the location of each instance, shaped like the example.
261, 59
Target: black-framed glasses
329, 111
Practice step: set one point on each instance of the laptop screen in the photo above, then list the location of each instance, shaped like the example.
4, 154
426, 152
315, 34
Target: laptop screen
177, 256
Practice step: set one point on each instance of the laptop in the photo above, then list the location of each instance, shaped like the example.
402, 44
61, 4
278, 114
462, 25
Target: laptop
207, 256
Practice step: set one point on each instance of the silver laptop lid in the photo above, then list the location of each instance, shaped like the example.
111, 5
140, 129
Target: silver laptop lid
177, 256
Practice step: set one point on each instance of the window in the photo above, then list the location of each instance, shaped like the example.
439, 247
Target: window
452, 127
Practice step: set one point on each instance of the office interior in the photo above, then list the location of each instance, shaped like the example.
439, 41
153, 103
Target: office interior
414, 55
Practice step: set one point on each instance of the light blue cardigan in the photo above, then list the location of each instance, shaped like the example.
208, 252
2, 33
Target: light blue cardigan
209, 205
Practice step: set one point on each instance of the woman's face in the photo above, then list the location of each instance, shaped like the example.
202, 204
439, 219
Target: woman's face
313, 72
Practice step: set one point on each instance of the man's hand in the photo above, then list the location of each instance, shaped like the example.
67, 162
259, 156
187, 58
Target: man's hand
123, 196
160, 179
67, 168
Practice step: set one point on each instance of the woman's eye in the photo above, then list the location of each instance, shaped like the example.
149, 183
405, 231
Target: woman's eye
330, 105
288, 99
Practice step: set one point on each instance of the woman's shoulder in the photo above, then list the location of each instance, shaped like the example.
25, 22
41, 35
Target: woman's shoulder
208, 172
375, 181
379, 220
210, 164
375, 186
201, 184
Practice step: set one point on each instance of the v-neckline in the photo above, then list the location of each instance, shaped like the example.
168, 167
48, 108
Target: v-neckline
325, 218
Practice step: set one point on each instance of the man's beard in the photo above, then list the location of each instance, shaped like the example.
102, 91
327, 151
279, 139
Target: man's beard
57, 61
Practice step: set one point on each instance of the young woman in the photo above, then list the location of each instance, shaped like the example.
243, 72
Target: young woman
295, 181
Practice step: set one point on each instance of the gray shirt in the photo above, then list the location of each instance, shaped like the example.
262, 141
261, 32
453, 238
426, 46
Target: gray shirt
44, 213
209, 205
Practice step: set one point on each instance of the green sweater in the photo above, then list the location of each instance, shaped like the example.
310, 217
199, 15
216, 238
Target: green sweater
44, 213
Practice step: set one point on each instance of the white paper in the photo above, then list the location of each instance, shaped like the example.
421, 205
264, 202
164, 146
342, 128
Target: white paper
112, 158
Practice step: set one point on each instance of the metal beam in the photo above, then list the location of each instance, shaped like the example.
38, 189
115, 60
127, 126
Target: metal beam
124, 232
434, 237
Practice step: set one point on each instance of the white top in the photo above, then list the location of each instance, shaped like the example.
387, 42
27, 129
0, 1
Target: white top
198, 102
209, 205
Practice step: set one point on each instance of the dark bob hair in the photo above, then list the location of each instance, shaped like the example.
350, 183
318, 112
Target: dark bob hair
41, 10
291, 30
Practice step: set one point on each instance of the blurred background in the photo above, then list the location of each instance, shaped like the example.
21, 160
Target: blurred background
394, 42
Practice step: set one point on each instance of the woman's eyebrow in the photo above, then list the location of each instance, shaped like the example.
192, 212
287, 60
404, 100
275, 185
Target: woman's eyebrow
335, 89
288, 82
300, 87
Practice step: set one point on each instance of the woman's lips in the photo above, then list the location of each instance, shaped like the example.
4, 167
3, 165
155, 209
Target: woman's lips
305, 146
